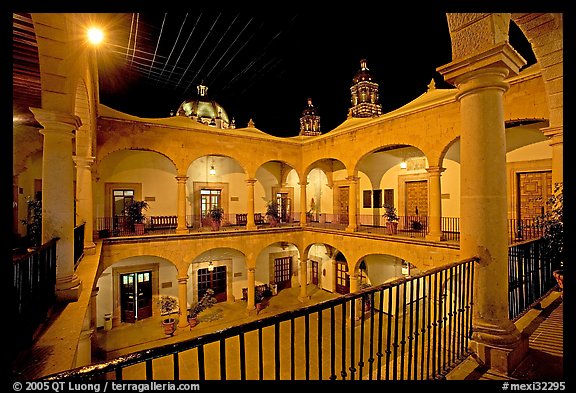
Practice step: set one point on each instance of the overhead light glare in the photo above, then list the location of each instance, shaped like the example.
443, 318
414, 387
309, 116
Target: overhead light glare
95, 35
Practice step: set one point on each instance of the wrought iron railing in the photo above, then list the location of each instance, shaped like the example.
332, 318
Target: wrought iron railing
33, 290
529, 276
78, 243
411, 328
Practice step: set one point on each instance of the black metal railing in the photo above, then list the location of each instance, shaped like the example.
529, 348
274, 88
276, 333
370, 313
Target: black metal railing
78, 243
529, 276
34, 282
410, 328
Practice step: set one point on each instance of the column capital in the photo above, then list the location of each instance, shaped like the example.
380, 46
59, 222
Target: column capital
304, 183
502, 57
83, 161
353, 179
251, 269
183, 279
435, 170
56, 121
251, 182
181, 179
555, 134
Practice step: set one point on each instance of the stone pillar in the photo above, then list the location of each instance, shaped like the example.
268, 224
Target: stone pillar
251, 279
480, 80
303, 296
181, 227
435, 214
250, 224
556, 137
303, 203
84, 201
183, 301
352, 204
58, 196
84, 348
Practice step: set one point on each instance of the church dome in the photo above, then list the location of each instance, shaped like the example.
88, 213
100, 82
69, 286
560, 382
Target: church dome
204, 110
363, 74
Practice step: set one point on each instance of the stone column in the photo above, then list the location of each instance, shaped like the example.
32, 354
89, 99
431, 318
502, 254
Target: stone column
303, 203
556, 137
181, 227
84, 201
250, 224
251, 279
303, 296
480, 80
58, 196
352, 204
183, 300
435, 214
84, 348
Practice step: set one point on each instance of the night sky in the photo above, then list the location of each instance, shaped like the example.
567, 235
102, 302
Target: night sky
265, 65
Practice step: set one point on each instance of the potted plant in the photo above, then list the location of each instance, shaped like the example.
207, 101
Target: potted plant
135, 216
216, 214
207, 301
33, 222
168, 305
272, 213
391, 219
552, 224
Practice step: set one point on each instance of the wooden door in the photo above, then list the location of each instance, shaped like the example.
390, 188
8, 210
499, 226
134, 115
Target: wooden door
144, 295
417, 198
342, 278
128, 297
534, 189
213, 279
342, 204
314, 268
283, 272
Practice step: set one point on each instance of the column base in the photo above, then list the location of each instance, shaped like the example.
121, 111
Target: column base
351, 228
251, 227
69, 291
434, 237
501, 359
181, 231
304, 298
89, 248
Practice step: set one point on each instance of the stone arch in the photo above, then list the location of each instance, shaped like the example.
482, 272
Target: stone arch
83, 135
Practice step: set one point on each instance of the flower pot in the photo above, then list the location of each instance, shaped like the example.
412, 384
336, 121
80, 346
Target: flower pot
215, 225
273, 222
192, 321
392, 228
139, 228
169, 325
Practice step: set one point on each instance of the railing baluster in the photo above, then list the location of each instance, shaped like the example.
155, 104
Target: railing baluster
389, 332
277, 351
380, 333
332, 344
416, 328
260, 356
362, 320
307, 345
119, 373
410, 331
149, 371
176, 366
222, 359
242, 357
352, 337
403, 338
395, 344
430, 326
451, 331
343, 339
320, 345
201, 365
371, 358
435, 324
292, 355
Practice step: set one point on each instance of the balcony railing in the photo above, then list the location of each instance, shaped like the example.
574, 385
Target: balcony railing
413, 328
78, 243
34, 282
529, 276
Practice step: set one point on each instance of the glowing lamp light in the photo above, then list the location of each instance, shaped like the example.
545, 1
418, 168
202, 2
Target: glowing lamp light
95, 35
212, 170
403, 164
210, 267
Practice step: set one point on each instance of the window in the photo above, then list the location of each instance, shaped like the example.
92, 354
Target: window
367, 198
389, 197
209, 199
377, 198
120, 200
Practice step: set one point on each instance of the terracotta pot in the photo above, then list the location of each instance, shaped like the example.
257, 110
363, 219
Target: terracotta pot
139, 228
215, 225
169, 325
559, 276
392, 228
192, 321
